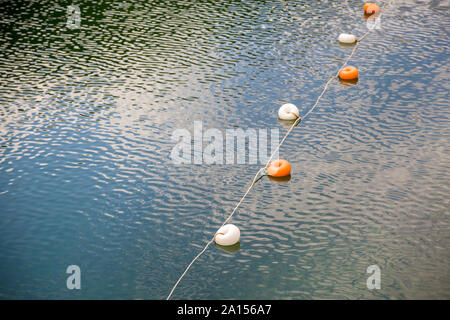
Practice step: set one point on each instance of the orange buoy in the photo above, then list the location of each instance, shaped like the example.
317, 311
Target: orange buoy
367, 4
348, 73
279, 168
371, 8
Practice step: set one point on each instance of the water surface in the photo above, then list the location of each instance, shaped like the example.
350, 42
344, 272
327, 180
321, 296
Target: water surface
87, 114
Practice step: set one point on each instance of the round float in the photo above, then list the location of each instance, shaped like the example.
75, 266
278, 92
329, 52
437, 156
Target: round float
227, 235
371, 8
288, 111
279, 168
346, 38
348, 73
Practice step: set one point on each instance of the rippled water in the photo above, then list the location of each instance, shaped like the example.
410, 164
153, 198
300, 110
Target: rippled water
87, 114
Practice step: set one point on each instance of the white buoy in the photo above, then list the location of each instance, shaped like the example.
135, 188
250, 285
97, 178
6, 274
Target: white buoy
288, 111
227, 235
346, 38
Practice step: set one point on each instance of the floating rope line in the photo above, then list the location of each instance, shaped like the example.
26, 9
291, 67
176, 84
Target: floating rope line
263, 170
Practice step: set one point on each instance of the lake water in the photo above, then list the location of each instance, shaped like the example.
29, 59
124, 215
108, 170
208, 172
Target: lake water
87, 114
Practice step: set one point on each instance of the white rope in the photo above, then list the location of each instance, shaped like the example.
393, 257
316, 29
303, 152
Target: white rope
212, 240
255, 178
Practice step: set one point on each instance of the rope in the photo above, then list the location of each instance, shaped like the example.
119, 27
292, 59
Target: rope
295, 123
255, 179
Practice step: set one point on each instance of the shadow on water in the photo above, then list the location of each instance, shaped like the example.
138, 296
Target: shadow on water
349, 83
230, 249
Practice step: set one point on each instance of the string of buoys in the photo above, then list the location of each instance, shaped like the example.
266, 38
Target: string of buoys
228, 235
369, 9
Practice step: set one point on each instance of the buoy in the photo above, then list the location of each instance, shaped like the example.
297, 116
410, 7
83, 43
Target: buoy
227, 235
288, 111
367, 4
279, 168
348, 73
371, 8
346, 38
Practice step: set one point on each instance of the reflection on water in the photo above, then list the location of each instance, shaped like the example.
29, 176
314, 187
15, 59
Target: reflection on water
349, 83
230, 249
280, 179
86, 117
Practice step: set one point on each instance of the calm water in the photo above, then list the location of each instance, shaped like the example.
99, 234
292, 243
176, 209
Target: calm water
86, 118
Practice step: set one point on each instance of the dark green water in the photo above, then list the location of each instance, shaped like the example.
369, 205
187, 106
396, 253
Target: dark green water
87, 114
